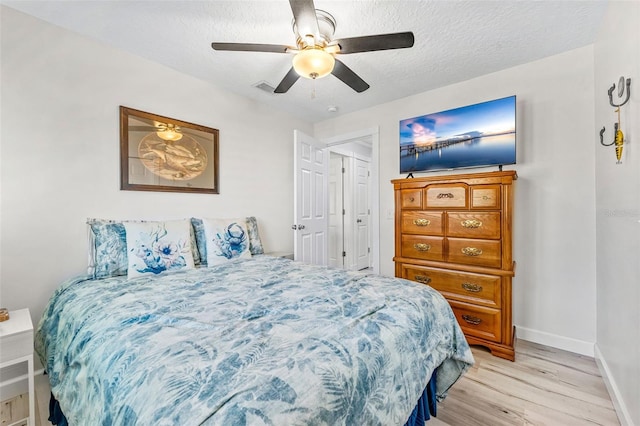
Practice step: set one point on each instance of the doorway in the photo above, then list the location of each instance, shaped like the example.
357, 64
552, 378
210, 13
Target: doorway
353, 201
349, 209
311, 199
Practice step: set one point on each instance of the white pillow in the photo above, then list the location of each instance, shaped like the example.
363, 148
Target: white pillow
155, 247
226, 239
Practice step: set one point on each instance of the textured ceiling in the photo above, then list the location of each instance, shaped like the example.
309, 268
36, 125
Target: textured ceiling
454, 41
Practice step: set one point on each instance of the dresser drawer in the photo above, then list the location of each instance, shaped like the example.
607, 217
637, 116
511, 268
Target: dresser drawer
485, 197
411, 198
475, 252
422, 247
474, 225
421, 222
418, 274
478, 321
447, 196
463, 286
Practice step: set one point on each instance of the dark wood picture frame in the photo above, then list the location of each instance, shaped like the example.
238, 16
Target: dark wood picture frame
159, 153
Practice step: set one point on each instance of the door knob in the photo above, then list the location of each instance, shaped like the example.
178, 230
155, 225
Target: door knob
359, 220
301, 226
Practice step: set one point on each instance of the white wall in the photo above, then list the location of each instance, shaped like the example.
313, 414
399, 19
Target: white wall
60, 153
617, 53
554, 242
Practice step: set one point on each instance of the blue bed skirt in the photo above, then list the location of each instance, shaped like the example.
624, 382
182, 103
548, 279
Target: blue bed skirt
424, 409
426, 406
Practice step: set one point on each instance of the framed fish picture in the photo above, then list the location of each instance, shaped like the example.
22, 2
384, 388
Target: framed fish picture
164, 154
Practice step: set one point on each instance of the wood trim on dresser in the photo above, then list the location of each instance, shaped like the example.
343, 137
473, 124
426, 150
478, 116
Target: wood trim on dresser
469, 261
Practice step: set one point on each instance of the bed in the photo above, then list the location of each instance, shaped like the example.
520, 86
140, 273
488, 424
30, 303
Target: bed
256, 340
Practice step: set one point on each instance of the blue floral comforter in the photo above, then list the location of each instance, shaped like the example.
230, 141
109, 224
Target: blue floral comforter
261, 341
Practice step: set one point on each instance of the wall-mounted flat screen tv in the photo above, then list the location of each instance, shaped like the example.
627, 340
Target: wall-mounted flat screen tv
479, 135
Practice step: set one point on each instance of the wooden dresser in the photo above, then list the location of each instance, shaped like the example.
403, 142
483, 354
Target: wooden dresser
454, 233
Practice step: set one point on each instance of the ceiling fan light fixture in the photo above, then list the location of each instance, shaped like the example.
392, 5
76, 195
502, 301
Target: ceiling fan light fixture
169, 135
313, 62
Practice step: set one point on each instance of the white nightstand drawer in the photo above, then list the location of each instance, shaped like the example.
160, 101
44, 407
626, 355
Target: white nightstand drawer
16, 346
16, 335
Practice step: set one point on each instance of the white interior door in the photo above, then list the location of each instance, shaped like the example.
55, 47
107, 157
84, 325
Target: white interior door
336, 210
311, 169
362, 213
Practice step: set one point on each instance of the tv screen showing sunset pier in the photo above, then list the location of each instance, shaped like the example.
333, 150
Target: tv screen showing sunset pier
476, 135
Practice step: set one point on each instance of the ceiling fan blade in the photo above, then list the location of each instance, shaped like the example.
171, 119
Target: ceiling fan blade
304, 14
349, 77
376, 42
288, 80
251, 47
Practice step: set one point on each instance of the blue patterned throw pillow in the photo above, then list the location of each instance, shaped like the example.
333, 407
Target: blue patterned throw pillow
226, 239
255, 244
155, 247
107, 248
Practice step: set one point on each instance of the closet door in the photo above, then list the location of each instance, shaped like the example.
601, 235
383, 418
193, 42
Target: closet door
362, 214
336, 210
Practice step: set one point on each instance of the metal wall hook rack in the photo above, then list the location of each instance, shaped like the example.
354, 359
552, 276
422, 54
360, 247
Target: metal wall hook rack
615, 130
621, 90
618, 136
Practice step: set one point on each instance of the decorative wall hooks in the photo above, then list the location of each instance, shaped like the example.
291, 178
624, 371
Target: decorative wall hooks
618, 136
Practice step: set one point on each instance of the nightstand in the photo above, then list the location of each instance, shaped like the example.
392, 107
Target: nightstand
16, 346
284, 254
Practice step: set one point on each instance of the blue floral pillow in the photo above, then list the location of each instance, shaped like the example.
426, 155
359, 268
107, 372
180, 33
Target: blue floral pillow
226, 239
155, 247
108, 248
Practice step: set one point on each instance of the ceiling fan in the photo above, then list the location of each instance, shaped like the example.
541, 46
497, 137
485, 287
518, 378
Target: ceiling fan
166, 131
315, 49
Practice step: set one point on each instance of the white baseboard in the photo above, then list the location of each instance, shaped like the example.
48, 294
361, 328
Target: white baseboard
555, 341
618, 403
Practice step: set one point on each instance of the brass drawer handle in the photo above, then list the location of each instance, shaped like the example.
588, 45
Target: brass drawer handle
412, 199
445, 195
423, 279
473, 288
471, 319
421, 222
422, 247
471, 223
471, 251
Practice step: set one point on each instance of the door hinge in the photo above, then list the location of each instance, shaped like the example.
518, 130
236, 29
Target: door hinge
344, 212
343, 170
344, 254
368, 249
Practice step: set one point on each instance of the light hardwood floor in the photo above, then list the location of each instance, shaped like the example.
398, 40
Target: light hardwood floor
544, 386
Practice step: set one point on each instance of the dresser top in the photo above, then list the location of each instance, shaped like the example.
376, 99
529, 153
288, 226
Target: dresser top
505, 176
19, 322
